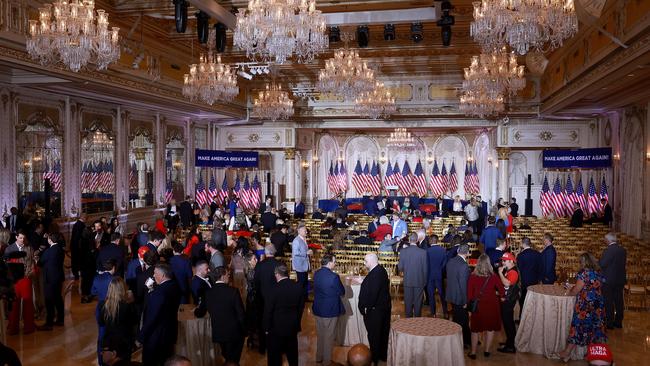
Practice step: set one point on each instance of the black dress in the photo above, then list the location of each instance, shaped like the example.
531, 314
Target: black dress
122, 328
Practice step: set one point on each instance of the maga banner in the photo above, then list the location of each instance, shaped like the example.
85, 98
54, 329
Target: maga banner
595, 158
226, 159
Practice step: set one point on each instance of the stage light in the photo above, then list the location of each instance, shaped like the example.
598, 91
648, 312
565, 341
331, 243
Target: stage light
220, 41
180, 15
445, 22
202, 25
363, 36
389, 32
416, 32
335, 34
245, 75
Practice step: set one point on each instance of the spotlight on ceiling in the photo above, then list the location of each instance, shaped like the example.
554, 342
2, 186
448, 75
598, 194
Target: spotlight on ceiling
389, 32
220, 42
363, 36
335, 34
445, 22
245, 75
202, 25
180, 15
416, 32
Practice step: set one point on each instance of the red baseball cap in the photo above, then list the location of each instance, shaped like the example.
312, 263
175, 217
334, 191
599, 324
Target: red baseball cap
508, 257
599, 352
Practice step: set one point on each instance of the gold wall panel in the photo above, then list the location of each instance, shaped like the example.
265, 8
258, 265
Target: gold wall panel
442, 92
401, 92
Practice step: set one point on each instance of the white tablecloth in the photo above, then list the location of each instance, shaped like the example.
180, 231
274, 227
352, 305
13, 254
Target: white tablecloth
425, 341
350, 329
195, 337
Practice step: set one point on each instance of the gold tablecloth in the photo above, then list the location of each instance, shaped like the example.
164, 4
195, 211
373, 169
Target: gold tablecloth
350, 329
545, 322
195, 337
425, 341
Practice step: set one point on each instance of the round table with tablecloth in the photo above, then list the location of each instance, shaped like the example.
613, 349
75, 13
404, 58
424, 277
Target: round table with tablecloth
425, 341
545, 321
195, 337
350, 329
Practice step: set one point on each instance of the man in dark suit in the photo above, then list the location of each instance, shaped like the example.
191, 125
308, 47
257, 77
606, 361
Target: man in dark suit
102, 238
423, 241
280, 240
495, 254
436, 261
186, 212
549, 256
226, 309
608, 216
612, 262
299, 210
182, 269
268, 220
456, 293
113, 251
75, 245
413, 264
201, 281
14, 222
52, 263
219, 235
577, 217
375, 306
514, 207
529, 265
327, 307
266, 205
373, 225
160, 318
264, 282
363, 238
317, 215
341, 212
282, 313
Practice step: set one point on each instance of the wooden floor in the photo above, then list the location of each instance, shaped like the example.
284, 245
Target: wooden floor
75, 344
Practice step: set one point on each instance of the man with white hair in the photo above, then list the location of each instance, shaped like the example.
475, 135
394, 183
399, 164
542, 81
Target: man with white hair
375, 306
423, 241
612, 263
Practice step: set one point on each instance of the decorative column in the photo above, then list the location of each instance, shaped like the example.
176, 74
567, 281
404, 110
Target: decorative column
504, 191
121, 119
141, 166
8, 189
190, 186
71, 158
290, 178
159, 161
494, 172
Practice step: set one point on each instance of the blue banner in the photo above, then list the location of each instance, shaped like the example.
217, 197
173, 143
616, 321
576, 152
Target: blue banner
596, 158
226, 159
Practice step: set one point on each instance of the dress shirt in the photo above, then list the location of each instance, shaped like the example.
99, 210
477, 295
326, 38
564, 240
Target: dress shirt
471, 212
457, 207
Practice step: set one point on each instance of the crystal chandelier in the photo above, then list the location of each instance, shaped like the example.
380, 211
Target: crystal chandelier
481, 104
401, 138
525, 25
496, 72
69, 32
210, 80
346, 74
377, 103
276, 29
273, 103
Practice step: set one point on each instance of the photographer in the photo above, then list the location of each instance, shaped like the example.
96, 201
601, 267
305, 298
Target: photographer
509, 276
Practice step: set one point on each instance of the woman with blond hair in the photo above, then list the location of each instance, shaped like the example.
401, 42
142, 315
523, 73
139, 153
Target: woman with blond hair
118, 317
482, 287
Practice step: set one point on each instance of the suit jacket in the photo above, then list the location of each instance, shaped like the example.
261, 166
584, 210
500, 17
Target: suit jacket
457, 277
18, 223
111, 251
607, 214
160, 316
424, 244
199, 288
413, 263
280, 241
317, 216
52, 263
372, 226
399, 228
612, 263
577, 218
549, 256
268, 220
436, 261
220, 237
75, 236
529, 265
264, 278
226, 310
100, 286
28, 260
374, 293
328, 290
183, 273
363, 240
186, 213
283, 308
299, 257
495, 255
380, 233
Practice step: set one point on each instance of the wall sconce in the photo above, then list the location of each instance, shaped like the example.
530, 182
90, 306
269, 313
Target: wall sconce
315, 158
647, 156
27, 163
496, 165
470, 159
617, 156
382, 159
430, 158
489, 160
305, 164
38, 158
177, 164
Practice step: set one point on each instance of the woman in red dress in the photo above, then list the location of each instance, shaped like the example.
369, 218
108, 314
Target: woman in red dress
483, 285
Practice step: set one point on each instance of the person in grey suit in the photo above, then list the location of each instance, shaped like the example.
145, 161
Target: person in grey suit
456, 294
612, 263
413, 264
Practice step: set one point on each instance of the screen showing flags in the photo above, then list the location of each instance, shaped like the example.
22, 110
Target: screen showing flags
545, 199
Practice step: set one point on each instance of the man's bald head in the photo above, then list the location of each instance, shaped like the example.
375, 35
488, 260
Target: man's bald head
370, 260
359, 355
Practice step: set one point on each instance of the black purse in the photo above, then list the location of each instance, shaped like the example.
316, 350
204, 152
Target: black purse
473, 304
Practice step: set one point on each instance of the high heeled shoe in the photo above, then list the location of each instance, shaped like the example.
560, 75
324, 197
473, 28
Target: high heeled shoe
472, 356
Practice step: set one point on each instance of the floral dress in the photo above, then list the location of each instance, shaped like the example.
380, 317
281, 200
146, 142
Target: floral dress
588, 323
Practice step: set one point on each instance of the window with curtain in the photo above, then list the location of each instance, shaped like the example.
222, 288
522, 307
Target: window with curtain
97, 169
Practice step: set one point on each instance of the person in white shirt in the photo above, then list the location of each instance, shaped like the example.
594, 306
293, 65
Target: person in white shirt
471, 214
457, 207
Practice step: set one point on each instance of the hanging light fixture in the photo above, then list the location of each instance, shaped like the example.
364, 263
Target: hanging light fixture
497, 72
273, 103
401, 138
375, 104
277, 29
524, 25
70, 33
210, 80
480, 103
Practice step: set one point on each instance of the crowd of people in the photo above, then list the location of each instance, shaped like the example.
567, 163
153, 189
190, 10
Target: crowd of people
140, 279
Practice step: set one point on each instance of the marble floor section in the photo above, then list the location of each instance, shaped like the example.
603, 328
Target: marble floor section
75, 344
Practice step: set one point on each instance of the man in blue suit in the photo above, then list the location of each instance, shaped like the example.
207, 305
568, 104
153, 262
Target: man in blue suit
114, 251
182, 269
160, 318
327, 307
399, 227
457, 277
100, 289
549, 256
490, 235
612, 262
528, 263
52, 263
200, 282
436, 261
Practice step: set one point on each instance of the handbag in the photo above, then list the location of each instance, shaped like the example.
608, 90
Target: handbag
473, 304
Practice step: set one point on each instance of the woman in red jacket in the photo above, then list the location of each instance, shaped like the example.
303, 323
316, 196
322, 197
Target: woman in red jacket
383, 229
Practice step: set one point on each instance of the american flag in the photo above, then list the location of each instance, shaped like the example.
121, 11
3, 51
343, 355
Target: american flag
388, 176
367, 178
569, 196
580, 195
375, 179
246, 194
476, 184
212, 188
419, 180
444, 179
397, 176
603, 192
200, 195
557, 198
467, 181
256, 196
110, 177
169, 190
453, 179
331, 181
343, 178
84, 177
435, 180
545, 199
407, 179
237, 188
223, 192
47, 174
357, 179
593, 202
